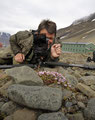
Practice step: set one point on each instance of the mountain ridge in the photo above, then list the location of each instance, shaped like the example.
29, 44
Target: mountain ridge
83, 31
4, 38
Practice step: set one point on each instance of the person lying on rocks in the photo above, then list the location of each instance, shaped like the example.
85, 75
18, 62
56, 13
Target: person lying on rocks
34, 46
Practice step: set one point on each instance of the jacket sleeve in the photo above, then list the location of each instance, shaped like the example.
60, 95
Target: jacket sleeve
49, 59
53, 60
14, 45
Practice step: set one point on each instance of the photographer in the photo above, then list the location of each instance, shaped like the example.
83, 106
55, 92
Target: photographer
22, 44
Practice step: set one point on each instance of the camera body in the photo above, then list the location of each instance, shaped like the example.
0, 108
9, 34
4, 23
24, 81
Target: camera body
40, 47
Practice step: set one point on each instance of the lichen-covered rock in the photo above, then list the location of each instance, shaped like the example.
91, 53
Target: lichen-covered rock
23, 114
86, 90
53, 116
3, 89
24, 75
44, 97
72, 80
76, 116
9, 107
88, 80
89, 112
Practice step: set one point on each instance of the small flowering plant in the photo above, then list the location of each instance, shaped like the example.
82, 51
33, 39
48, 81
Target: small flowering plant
53, 77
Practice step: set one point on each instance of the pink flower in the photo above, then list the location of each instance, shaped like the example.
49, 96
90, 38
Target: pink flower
53, 77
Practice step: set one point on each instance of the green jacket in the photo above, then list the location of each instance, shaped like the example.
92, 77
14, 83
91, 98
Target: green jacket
22, 42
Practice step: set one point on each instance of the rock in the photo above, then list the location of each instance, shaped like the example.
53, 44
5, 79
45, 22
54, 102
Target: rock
90, 73
50, 69
9, 107
66, 94
81, 105
72, 109
77, 74
1, 104
81, 98
36, 96
86, 90
9, 117
88, 80
5, 52
72, 80
62, 71
69, 69
74, 102
5, 55
24, 114
3, 89
77, 116
52, 116
68, 104
24, 75
4, 78
89, 112
92, 87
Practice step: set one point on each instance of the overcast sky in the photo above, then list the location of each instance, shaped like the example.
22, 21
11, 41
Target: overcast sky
16, 15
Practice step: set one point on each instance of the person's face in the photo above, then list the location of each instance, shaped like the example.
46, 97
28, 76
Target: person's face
48, 35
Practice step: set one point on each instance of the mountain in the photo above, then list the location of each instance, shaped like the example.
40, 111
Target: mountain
4, 38
85, 19
82, 30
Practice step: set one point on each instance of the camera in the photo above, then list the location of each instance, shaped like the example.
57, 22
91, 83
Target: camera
40, 47
89, 59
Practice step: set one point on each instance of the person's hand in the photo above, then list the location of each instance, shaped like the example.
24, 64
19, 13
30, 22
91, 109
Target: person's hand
55, 50
19, 57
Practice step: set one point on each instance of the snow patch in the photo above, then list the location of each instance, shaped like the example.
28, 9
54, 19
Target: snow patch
91, 17
93, 20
